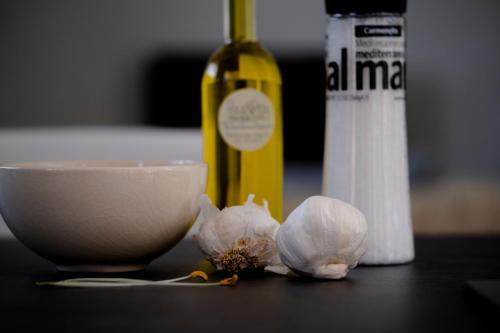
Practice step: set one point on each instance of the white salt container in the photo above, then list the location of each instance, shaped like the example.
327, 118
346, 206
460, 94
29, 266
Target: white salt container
365, 161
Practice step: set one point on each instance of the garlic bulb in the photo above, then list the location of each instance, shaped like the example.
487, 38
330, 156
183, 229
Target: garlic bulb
240, 237
323, 238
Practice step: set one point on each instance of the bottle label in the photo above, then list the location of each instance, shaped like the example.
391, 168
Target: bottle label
246, 119
365, 59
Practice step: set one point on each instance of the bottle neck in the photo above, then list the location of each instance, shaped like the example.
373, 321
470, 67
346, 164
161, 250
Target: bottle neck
239, 21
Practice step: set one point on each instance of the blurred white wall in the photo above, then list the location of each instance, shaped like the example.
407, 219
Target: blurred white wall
81, 61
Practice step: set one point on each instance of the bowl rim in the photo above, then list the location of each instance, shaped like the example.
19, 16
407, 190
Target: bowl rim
100, 165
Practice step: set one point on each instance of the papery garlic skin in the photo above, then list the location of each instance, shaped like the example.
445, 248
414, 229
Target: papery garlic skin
323, 238
238, 238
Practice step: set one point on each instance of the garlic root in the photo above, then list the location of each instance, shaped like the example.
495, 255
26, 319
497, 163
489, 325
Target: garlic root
331, 271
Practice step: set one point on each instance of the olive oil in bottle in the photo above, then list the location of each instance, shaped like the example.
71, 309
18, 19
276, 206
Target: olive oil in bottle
242, 116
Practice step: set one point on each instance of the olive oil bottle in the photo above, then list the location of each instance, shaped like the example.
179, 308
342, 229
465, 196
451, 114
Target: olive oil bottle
242, 116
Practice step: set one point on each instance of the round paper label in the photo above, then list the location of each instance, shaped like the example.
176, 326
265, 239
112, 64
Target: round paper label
246, 119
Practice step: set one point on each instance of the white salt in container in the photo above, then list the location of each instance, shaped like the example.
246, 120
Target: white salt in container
365, 160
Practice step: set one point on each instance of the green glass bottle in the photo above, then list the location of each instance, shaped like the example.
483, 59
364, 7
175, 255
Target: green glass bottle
242, 116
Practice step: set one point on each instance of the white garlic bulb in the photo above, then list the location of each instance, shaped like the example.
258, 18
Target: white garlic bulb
323, 238
239, 238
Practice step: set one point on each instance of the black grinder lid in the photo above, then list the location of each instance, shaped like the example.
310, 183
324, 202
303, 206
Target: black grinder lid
365, 6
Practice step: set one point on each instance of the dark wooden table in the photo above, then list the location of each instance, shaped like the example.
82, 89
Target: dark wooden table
429, 295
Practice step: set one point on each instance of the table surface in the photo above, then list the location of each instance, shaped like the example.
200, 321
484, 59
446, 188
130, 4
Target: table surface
428, 295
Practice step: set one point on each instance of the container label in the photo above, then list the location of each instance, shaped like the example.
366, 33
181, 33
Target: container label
378, 31
246, 119
365, 59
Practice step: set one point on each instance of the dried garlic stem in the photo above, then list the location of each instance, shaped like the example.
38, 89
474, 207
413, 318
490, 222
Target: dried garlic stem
122, 282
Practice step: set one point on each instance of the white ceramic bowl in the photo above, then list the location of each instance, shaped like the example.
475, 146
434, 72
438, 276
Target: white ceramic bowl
101, 216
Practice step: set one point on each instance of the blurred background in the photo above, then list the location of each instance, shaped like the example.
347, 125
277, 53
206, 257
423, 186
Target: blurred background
121, 79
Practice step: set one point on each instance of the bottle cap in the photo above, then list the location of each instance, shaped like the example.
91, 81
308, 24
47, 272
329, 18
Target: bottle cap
365, 6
